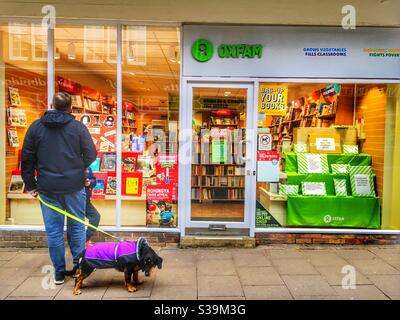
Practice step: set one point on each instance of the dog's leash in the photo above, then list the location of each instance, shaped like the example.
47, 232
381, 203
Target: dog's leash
71, 216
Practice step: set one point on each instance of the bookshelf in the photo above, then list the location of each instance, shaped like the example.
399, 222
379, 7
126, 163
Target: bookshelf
313, 111
218, 181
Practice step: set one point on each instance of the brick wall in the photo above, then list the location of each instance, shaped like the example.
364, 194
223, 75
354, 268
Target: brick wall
38, 239
318, 238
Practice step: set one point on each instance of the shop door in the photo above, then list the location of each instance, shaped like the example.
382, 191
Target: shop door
222, 166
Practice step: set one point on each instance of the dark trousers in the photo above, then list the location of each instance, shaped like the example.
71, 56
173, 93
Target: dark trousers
94, 219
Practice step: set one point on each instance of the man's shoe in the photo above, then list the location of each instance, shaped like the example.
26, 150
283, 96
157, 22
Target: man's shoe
72, 273
59, 278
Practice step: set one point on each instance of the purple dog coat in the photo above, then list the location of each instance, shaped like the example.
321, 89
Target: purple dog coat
106, 254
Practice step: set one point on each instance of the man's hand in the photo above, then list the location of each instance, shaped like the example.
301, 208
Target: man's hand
34, 193
87, 183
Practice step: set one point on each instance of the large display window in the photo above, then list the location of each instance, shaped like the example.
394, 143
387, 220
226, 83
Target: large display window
85, 67
324, 154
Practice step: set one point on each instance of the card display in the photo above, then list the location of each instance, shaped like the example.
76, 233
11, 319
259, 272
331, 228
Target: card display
288, 189
340, 187
313, 188
350, 149
16, 183
362, 181
312, 163
300, 147
340, 168
15, 99
13, 137
17, 117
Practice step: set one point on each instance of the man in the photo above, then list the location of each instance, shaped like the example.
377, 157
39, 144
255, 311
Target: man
60, 149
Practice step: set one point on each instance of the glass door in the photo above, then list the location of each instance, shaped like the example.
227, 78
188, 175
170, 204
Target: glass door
222, 167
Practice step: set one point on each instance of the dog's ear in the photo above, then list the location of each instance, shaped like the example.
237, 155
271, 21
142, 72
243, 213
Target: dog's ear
159, 262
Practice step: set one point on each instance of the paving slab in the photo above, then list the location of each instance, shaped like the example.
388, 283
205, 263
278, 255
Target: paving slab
285, 254
5, 291
255, 259
355, 254
173, 293
334, 275
219, 286
28, 260
212, 254
6, 256
374, 266
222, 267
267, 293
326, 259
13, 276
174, 276
117, 290
254, 276
308, 285
389, 284
361, 292
294, 266
36, 287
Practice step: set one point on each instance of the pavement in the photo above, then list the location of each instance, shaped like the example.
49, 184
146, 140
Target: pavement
278, 272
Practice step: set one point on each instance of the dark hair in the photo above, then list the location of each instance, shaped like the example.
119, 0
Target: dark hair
62, 101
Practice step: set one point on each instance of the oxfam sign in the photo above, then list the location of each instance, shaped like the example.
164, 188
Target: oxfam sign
203, 50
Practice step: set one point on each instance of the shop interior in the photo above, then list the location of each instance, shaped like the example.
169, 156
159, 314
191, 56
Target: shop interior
85, 68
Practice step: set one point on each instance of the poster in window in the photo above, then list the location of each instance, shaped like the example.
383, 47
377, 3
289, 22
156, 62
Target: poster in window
132, 183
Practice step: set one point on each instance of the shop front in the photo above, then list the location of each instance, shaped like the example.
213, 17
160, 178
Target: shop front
279, 134
293, 133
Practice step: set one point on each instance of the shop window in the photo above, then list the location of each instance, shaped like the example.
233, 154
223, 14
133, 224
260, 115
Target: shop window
150, 126
23, 99
82, 70
333, 142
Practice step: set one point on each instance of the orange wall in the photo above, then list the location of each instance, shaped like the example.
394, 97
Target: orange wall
371, 105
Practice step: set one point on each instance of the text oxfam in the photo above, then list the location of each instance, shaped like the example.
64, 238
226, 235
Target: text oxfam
240, 51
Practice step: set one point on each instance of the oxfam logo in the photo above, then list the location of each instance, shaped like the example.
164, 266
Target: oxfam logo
202, 50
327, 218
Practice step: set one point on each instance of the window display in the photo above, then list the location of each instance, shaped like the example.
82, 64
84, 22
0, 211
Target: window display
330, 178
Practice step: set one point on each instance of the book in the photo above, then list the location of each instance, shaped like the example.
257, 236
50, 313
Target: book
101, 181
15, 99
17, 117
76, 101
129, 160
16, 183
108, 162
145, 164
111, 187
13, 137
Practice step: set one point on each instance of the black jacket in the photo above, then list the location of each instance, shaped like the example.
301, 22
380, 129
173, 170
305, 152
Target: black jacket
92, 178
60, 148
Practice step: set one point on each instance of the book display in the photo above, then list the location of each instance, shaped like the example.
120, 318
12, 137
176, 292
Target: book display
321, 108
337, 190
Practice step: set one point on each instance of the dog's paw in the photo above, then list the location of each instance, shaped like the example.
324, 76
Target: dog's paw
77, 292
131, 288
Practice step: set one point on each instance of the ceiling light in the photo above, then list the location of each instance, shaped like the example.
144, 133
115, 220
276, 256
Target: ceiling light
57, 54
227, 93
71, 51
131, 73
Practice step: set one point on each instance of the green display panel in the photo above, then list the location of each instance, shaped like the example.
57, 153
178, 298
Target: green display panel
351, 159
331, 211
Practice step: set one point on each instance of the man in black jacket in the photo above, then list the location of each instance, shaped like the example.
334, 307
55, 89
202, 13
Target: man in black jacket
59, 148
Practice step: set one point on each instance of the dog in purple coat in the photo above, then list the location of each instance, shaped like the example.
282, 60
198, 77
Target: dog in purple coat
125, 256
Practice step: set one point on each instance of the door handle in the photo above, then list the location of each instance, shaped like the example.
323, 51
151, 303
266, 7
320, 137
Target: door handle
240, 150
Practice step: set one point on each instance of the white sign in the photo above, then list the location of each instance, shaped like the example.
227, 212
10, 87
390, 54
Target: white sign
265, 141
325, 144
268, 171
362, 183
321, 52
314, 189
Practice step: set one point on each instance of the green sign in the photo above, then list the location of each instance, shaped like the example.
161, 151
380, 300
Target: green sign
219, 151
202, 50
240, 51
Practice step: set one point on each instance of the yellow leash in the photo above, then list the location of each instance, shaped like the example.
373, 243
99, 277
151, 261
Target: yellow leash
71, 216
